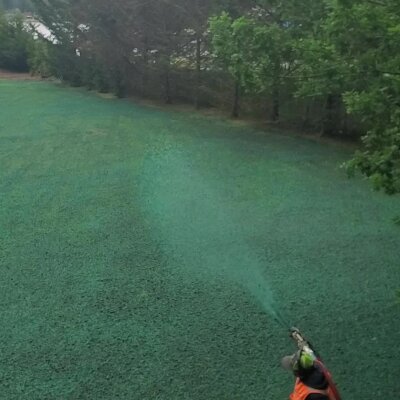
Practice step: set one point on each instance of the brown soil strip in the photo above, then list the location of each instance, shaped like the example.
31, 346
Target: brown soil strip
17, 76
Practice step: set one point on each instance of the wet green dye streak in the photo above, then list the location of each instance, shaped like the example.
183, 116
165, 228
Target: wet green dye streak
148, 255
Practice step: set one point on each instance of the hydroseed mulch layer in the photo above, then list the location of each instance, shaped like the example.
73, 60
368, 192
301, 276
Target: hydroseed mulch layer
145, 253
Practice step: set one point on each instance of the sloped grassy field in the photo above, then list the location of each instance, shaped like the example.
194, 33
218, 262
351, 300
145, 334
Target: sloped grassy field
144, 253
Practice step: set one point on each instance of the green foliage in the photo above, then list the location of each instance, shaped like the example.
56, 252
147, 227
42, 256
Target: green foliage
39, 60
101, 81
228, 48
14, 43
257, 53
366, 37
264, 50
253, 52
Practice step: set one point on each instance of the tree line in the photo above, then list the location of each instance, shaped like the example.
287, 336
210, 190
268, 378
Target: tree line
324, 65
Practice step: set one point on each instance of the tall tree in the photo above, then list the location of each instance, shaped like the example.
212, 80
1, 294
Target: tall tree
14, 43
257, 50
357, 58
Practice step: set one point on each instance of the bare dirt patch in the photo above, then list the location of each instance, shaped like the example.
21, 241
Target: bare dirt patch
17, 76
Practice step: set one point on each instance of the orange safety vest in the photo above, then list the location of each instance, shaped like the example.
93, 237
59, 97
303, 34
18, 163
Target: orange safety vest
301, 391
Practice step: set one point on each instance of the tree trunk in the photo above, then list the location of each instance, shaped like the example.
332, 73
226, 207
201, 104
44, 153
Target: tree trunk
167, 79
198, 72
168, 98
236, 101
331, 124
275, 114
306, 118
145, 80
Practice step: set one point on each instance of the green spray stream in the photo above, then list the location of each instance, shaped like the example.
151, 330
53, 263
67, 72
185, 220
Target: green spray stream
196, 226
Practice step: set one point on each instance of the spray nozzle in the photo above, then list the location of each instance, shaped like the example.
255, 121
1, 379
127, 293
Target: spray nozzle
293, 330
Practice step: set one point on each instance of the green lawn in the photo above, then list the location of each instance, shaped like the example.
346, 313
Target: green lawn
144, 253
